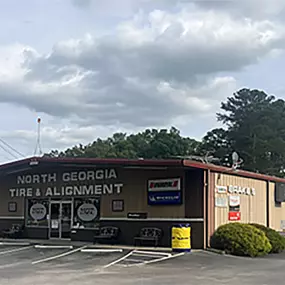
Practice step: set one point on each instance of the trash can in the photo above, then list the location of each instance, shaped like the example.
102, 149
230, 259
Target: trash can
181, 238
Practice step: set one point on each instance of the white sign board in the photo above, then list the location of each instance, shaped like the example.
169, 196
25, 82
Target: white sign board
87, 212
38, 211
221, 189
54, 224
234, 201
221, 202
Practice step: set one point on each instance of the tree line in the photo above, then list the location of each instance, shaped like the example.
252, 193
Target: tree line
253, 126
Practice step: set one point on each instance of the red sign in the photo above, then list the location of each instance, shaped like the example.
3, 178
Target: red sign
172, 184
234, 216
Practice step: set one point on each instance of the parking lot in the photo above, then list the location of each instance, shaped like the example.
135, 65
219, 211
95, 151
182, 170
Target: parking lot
52, 265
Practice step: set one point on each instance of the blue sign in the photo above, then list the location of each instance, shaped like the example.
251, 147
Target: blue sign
165, 198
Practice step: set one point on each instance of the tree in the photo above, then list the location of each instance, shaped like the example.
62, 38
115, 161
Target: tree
217, 144
255, 125
147, 144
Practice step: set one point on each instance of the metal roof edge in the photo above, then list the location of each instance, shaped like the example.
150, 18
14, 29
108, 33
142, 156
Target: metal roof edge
114, 161
227, 170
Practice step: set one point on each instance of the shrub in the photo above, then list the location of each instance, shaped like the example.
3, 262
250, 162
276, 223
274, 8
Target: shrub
241, 239
276, 240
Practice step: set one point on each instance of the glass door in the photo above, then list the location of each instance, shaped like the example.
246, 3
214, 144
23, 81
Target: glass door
60, 219
66, 219
54, 227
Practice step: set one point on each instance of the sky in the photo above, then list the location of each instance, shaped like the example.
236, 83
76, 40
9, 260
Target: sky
89, 68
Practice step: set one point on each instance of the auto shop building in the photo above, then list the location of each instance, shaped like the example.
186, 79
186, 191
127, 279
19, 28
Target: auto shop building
70, 197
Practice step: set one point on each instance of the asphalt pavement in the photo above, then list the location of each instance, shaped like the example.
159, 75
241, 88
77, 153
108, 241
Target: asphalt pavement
28, 265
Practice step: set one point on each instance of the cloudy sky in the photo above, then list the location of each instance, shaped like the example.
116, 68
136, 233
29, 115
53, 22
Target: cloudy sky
89, 68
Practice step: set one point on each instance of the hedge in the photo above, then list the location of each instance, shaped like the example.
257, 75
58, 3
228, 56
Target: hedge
241, 239
276, 240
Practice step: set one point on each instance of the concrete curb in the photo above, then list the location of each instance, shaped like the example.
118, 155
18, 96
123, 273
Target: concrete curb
217, 251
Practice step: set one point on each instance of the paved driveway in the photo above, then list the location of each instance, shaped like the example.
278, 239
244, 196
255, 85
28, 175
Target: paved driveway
28, 265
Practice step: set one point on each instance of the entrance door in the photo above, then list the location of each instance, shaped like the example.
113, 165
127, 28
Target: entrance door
60, 219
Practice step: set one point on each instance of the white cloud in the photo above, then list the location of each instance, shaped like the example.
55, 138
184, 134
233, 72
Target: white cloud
158, 68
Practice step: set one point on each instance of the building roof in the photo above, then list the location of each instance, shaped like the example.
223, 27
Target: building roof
26, 163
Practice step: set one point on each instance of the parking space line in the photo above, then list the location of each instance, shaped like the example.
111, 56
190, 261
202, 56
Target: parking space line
146, 255
58, 256
100, 250
117, 260
53, 246
15, 250
15, 243
164, 258
134, 260
152, 252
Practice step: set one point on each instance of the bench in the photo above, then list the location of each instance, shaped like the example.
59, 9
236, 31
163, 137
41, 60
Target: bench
16, 231
107, 233
153, 235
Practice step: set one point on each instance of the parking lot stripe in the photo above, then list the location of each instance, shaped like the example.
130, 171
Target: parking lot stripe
59, 255
15, 249
15, 243
100, 250
117, 260
164, 258
144, 254
134, 260
53, 246
152, 253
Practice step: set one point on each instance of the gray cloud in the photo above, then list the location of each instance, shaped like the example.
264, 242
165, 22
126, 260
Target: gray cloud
81, 3
154, 70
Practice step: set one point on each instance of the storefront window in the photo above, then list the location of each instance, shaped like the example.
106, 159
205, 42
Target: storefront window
86, 212
36, 212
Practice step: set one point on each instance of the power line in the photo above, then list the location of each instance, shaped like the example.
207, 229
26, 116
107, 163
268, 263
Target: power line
6, 150
12, 148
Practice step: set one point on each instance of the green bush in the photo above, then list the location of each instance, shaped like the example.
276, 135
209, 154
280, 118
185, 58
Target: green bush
241, 239
276, 240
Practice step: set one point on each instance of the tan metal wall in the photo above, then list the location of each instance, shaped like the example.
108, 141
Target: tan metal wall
252, 208
276, 211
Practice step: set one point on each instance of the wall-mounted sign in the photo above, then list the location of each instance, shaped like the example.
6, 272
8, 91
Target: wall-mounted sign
118, 205
165, 198
234, 203
54, 224
221, 202
42, 185
241, 190
12, 207
173, 184
38, 211
232, 189
234, 216
87, 212
221, 189
137, 215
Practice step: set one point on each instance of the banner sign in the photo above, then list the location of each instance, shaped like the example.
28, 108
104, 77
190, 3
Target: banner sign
173, 184
165, 198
